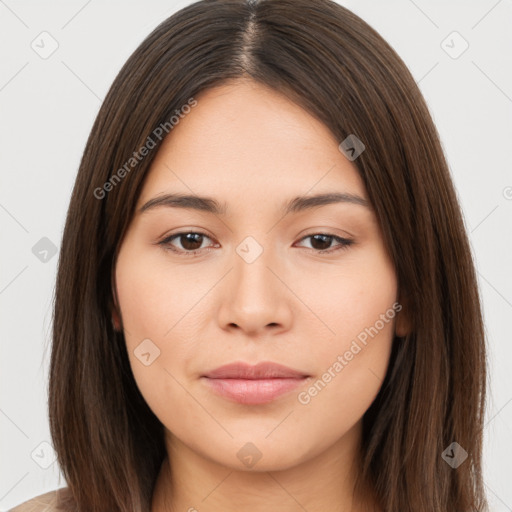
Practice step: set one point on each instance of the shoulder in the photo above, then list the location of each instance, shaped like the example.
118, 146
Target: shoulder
53, 501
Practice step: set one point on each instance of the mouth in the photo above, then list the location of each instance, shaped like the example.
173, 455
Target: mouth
252, 385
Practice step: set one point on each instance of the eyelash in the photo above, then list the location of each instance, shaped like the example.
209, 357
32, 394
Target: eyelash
166, 243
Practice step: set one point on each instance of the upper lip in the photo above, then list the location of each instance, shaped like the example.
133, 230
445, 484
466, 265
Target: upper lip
262, 370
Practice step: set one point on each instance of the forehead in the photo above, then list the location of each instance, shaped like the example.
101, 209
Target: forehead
244, 140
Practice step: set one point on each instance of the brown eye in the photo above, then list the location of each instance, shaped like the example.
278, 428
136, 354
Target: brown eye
321, 242
189, 242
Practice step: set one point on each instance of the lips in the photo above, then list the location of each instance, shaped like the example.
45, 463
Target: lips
263, 370
252, 385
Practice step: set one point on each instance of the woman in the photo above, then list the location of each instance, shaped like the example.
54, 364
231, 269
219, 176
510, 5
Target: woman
266, 297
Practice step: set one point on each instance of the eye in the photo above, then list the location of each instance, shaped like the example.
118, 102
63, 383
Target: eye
321, 242
190, 241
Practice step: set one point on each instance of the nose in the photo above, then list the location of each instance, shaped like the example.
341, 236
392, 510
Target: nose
255, 298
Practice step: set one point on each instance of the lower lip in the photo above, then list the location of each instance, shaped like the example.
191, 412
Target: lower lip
254, 391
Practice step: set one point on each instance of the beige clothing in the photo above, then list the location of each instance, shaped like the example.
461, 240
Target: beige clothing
53, 501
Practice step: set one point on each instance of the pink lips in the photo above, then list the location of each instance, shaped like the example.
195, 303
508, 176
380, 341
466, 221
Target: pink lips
252, 385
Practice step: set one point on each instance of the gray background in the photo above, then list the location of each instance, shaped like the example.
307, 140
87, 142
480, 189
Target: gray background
48, 105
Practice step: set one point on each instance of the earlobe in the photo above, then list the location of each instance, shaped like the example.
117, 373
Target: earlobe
116, 323
114, 311
403, 323
114, 308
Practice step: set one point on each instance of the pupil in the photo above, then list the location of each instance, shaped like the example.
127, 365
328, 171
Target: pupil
191, 239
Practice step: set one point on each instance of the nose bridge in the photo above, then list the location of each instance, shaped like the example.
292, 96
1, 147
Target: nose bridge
252, 277
255, 297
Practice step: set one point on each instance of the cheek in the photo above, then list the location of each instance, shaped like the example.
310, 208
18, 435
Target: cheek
352, 358
340, 394
154, 306
153, 297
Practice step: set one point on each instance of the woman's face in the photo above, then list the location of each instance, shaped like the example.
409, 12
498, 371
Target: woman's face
258, 288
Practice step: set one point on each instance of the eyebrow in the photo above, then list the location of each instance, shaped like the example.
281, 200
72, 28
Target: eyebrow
210, 205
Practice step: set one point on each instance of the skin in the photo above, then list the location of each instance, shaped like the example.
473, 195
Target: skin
250, 147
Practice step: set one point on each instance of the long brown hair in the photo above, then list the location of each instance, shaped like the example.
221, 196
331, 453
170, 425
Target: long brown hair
109, 443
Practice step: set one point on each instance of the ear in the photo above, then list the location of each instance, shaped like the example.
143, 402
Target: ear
403, 322
116, 321
114, 308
